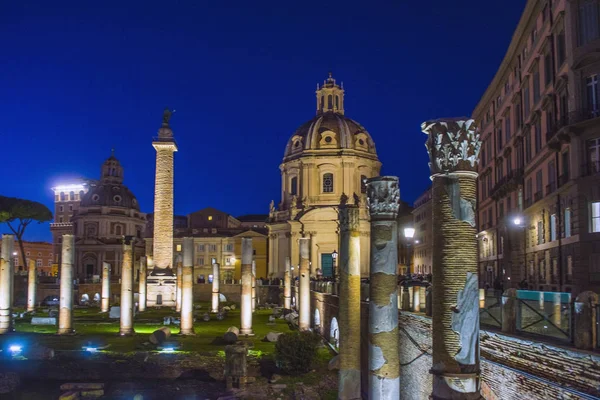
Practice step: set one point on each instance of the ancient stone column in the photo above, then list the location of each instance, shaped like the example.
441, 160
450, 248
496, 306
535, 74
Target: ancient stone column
349, 303
187, 288
216, 287
142, 284
453, 146
5, 279
304, 285
105, 299
254, 285
126, 322
416, 299
287, 285
162, 242
246, 298
384, 362
31, 285
65, 312
585, 321
179, 281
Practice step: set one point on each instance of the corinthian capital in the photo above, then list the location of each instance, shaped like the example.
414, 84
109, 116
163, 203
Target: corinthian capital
453, 145
383, 195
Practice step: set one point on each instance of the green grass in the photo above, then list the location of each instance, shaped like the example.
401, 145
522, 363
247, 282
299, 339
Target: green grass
90, 324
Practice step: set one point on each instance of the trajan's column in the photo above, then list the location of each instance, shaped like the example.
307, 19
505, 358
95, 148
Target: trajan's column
161, 282
453, 146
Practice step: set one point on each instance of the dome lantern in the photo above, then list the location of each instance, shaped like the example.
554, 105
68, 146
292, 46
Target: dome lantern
330, 97
112, 171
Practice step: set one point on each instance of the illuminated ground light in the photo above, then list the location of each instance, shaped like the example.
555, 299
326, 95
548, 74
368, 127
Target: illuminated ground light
91, 349
168, 347
15, 349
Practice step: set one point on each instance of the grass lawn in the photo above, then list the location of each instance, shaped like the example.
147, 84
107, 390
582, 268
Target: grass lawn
91, 325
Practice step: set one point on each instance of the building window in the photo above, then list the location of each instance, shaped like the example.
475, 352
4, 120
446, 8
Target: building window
501, 209
538, 136
500, 138
507, 128
561, 48
518, 115
540, 232
27, 254
539, 176
593, 103
567, 222
527, 145
229, 247
200, 261
593, 151
589, 18
71, 196
508, 164
49, 263
547, 68
595, 213
200, 247
363, 184
118, 230
294, 186
553, 227
212, 248
178, 247
526, 99
328, 183
38, 263
210, 218
528, 192
536, 85
61, 208
228, 261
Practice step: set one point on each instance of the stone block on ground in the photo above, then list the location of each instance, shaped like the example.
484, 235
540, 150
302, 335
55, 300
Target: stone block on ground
272, 336
159, 336
53, 313
206, 317
231, 336
43, 321
115, 312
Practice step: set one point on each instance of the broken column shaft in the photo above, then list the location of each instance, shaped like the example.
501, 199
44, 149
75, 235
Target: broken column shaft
246, 298
304, 285
105, 299
187, 288
6, 277
126, 322
65, 312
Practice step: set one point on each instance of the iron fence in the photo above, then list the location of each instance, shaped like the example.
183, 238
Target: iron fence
547, 314
490, 308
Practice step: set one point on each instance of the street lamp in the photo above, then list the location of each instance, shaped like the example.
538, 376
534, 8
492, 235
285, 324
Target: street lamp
334, 259
409, 233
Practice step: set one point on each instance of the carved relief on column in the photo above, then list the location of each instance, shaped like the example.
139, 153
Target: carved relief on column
453, 146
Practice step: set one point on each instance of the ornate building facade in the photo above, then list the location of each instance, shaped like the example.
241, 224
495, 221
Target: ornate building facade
329, 156
107, 212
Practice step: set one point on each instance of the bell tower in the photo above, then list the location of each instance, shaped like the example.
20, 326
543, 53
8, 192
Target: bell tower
330, 97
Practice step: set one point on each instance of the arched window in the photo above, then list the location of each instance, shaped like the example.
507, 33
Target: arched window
294, 186
62, 196
72, 196
329, 102
328, 183
363, 184
337, 102
322, 103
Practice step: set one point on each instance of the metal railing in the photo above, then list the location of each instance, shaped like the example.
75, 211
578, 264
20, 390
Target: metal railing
547, 314
490, 307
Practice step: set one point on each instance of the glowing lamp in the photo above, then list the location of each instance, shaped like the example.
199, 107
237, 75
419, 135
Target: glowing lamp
517, 221
409, 233
167, 350
91, 349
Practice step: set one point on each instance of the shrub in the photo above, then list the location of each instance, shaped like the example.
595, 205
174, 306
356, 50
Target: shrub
295, 352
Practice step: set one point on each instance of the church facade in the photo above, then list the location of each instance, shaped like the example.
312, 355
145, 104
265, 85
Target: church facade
327, 158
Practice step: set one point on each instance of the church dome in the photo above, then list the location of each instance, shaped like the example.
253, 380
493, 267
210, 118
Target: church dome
330, 129
109, 191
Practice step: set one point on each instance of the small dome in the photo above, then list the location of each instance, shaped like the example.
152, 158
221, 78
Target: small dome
330, 130
110, 195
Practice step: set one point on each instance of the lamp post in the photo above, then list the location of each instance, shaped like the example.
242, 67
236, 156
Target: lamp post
334, 256
409, 233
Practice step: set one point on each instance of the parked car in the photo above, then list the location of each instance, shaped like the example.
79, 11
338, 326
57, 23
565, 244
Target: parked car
52, 300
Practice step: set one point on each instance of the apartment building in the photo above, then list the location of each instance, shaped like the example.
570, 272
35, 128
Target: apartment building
423, 241
539, 175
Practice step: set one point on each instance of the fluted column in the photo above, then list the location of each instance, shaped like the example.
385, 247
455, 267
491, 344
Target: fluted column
304, 292
287, 285
246, 306
5, 279
349, 303
105, 300
65, 312
216, 287
31, 285
179, 283
384, 363
187, 288
126, 322
453, 146
142, 284
253, 285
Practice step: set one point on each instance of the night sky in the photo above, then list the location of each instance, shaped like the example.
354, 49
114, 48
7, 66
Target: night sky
79, 78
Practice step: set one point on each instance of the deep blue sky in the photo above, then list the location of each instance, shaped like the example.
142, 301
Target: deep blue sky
79, 78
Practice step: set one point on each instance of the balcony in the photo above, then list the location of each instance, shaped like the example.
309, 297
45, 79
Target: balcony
537, 196
563, 179
527, 202
507, 183
551, 187
572, 118
590, 169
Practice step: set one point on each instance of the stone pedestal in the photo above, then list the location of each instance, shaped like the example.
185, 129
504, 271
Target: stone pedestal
187, 288
142, 284
126, 321
6, 276
349, 303
215, 288
304, 286
236, 369
65, 312
384, 363
161, 288
453, 146
287, 285
31, 285
105, 297
246, 297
